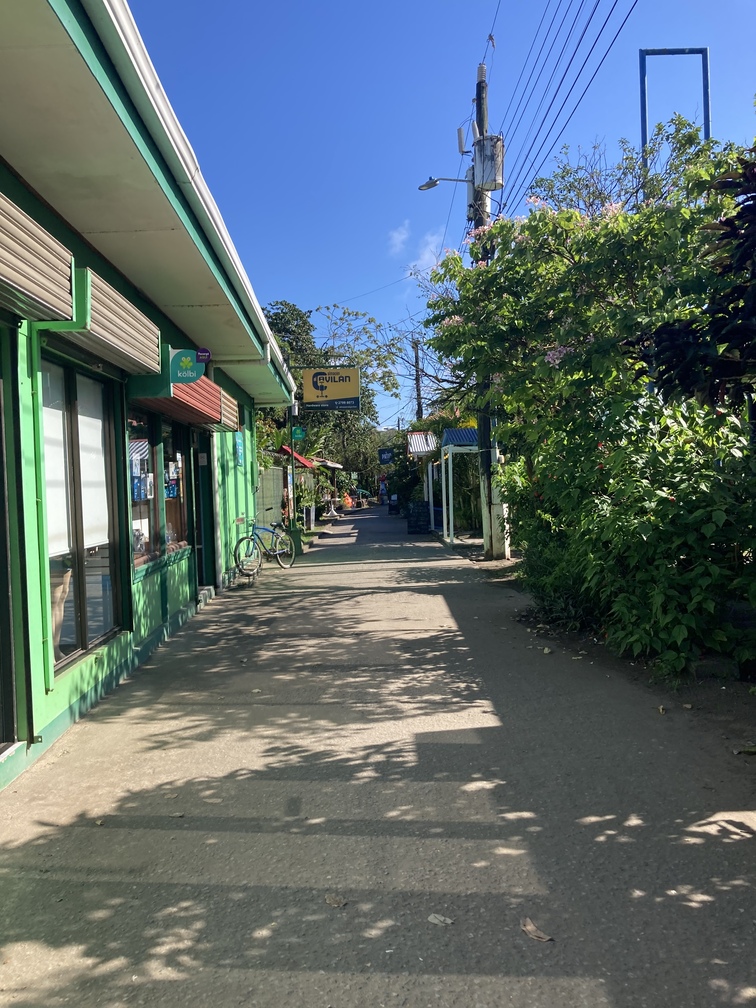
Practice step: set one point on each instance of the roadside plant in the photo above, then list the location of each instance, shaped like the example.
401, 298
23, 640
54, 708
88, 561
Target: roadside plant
635, 514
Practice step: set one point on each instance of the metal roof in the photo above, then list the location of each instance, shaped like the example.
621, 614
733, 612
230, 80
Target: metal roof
460, 437
286, 450
421, 443
124, 176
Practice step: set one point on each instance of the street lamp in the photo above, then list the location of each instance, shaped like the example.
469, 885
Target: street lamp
433, 182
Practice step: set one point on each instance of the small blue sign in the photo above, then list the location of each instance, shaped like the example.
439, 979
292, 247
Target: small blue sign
239, 444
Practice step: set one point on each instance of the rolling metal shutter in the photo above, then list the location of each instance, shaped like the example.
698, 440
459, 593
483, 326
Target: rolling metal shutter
35, 268
119, 332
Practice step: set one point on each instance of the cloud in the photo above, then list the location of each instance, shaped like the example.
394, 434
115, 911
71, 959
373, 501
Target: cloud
398, 238
429, 250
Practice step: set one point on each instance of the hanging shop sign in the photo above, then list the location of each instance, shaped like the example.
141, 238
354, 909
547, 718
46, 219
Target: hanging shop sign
331, 388
386, 456
185, 368
203, 355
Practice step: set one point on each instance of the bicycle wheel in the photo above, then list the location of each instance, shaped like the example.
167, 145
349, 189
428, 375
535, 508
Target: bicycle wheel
283, 547
248, 556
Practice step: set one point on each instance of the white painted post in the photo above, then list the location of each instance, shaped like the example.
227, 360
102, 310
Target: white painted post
430, 495
444, 517
451, 493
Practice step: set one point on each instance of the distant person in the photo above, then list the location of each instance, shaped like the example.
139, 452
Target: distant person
383, 491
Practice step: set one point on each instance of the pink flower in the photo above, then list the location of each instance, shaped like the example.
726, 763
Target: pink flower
554, 357
611, 209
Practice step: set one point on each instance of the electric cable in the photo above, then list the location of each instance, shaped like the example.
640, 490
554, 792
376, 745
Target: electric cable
517, 184
506, 129
517, 163
490, 39
521, 184
524, 65
512, 131
557, 64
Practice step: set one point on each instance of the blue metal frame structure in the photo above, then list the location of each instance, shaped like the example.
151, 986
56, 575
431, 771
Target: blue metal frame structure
703, 52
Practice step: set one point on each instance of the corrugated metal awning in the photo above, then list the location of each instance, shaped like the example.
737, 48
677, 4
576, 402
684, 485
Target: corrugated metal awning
299, 458
201, 403
460, 437
421, 443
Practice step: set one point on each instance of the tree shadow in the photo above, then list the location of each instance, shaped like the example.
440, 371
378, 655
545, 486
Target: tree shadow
388, 769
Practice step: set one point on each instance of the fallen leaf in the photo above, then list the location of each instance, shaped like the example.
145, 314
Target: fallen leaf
745, 751
256, 691
662, 710
175, 815
532, 931
99, 822
577, 657
547, 650
335, 901
688, 706
441, 921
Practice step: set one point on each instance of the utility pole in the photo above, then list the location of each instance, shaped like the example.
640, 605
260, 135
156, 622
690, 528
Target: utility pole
485, 175
418, 389
494, 541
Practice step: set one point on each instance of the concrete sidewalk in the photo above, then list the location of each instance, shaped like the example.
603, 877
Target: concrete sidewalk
268, 813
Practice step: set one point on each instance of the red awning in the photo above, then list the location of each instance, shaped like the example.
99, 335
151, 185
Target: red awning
201, 403
299, 458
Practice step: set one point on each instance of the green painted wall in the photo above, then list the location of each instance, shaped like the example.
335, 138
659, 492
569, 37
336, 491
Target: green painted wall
155, 601
236, 485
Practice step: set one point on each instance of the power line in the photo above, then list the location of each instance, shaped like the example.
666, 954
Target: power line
524, 173
558, 63
502, 128
517, 167
373, 291
585, 91
524, 65
490, 40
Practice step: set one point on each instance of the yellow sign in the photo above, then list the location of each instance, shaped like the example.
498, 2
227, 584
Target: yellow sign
331, 388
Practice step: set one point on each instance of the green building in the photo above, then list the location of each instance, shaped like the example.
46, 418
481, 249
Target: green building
129, 468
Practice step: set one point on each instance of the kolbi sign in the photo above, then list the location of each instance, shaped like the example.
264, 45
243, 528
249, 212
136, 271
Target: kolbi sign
185, 368
331, 388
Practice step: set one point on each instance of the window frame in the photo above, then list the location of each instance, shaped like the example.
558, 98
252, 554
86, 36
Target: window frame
71, 370
155, 555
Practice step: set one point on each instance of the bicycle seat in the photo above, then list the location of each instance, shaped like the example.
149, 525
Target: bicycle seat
276, 525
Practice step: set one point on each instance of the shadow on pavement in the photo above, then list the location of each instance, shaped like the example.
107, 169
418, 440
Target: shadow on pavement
307, 772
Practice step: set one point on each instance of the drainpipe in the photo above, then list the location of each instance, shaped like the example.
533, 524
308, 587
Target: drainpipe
81, 288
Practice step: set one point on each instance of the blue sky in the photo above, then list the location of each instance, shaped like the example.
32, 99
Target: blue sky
314, 123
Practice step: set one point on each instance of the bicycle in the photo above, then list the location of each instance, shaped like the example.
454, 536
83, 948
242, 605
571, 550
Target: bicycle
271, 542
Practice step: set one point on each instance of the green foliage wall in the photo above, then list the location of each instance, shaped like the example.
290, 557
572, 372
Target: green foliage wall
635, 514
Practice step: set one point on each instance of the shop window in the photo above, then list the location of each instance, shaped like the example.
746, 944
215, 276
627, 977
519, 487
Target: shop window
77, 430
174, 482
145, 540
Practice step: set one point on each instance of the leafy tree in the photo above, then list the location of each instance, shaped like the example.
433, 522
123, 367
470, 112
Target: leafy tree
352, 339
709, 349
636, 517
